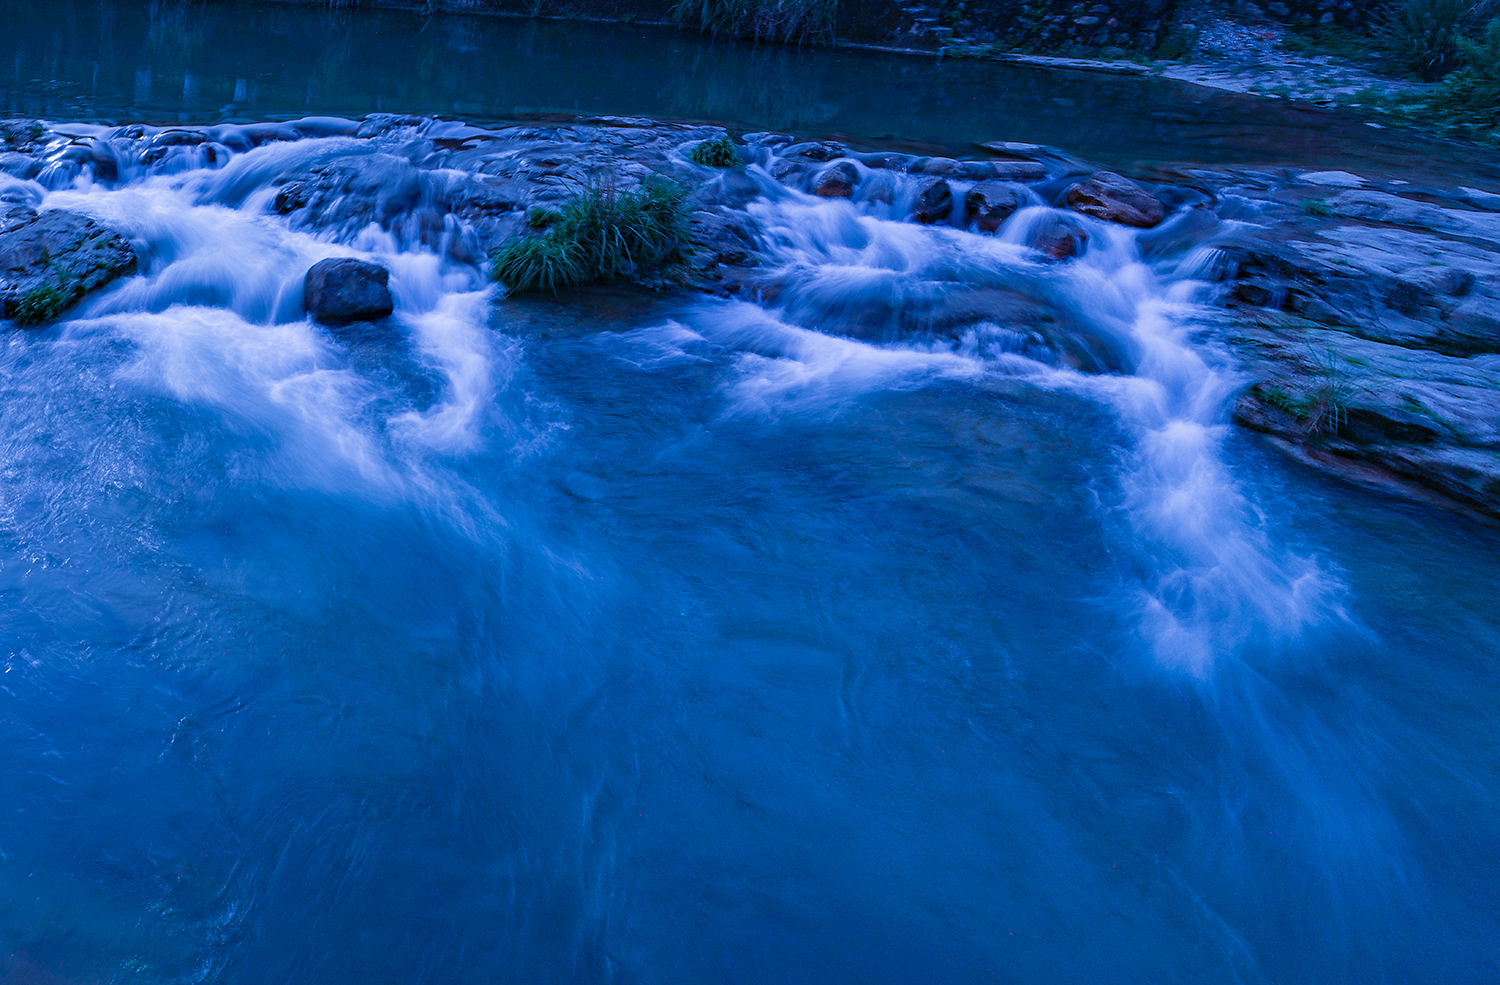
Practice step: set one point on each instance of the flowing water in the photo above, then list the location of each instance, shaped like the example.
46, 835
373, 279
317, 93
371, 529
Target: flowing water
661, 638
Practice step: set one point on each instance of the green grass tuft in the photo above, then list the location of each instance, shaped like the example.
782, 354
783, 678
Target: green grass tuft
41, 305
537, 263
539, 217
1318, 207
601, 234
720, 152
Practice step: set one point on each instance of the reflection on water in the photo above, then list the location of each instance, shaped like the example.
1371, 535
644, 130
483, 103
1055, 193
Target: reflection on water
126, 60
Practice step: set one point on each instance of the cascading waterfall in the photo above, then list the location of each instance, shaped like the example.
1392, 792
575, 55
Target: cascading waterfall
910, 615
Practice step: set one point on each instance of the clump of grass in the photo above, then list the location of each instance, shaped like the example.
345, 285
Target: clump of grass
599, 235
539, 217
40, 305
538, 263
1419, 36
1318, 207
761, 20
720, 152
1326, 39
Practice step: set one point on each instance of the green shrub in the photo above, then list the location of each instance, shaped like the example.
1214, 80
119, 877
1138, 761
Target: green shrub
720, 152
1466, 103
599, 235
1178, 44
1326, 39
1420, 36
761, 20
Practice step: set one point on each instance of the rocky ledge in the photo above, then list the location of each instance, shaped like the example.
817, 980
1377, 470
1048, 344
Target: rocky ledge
1366, 316
1363, 312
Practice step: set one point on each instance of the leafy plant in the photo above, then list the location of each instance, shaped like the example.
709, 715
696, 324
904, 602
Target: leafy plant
1420, 36
760, 20
720, 152
599, 235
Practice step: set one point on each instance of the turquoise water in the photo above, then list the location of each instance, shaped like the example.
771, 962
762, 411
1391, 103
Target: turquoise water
638, 637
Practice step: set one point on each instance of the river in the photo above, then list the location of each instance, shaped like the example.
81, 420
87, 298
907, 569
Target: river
636, 637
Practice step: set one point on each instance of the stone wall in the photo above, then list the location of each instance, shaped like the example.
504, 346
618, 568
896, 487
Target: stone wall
1035, 26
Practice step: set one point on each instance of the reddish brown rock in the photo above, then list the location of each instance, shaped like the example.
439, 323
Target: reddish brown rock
837, 181
1112, 198
1058, 237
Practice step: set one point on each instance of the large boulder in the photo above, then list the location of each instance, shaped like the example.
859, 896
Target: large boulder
341, 290
49, 260
934, 202
836, 181
1112, 198
989, 203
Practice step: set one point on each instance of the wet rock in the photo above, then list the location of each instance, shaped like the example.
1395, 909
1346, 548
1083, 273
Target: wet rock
1367, 408
730, 188
1007, 170
51, 259
788, 172
1058, 236
836, 181
353, 192
1112, 198
901, 163
341, 290
879, 186
1188, 230
724, 238
21, 166
938, 167
817, 152
988, 204
91, 154
934, 202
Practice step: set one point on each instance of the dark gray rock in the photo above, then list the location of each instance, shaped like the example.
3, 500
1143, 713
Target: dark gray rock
817, 152
988, 204
934, 202
51, 259
1112, 198
341, 290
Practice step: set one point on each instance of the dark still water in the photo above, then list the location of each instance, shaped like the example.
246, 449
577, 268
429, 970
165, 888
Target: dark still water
209, 62
645, 638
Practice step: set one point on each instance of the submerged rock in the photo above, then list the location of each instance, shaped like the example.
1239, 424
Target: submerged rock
1110, 197
49, 260
1058, 236
341, 290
